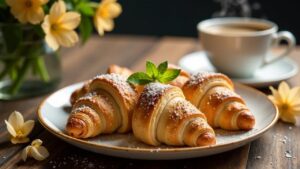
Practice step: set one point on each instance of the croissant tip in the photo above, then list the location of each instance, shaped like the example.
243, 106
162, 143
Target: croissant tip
75, 127
206, 139
246, 121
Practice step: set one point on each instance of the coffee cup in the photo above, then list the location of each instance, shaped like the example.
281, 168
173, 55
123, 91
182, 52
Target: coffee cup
240, 46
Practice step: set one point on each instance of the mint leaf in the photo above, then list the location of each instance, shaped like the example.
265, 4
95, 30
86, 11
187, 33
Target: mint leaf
151, 70
140, 78
169, 75
162, 67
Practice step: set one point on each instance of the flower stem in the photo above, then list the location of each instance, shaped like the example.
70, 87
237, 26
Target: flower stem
21, 75
41, 69
8, 67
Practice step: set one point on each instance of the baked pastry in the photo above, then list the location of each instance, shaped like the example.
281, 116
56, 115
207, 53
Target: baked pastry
213, 94
119, 70
102, 105
112, 69
179, 81
162, 115
183, 77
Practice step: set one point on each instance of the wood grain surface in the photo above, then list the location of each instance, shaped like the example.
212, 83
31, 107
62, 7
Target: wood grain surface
82, 63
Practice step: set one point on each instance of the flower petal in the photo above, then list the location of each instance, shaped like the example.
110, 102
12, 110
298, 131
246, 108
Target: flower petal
104, 25
70, 20
10, 129
25, 153
288, 117
57, 10
35, 16
42, 2
51, 41
98, 26
283, 90
43, 151
16, 120
46, 25
294, 96
39, 153
19, 140
27, 127
66, 38
37, 142
275, 94
114, 10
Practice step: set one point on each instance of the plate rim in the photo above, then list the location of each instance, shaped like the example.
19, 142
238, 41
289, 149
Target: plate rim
67, 138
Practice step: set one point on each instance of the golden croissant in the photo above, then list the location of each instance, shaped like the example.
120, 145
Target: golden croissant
162, 115
179, 81
213, 94
103, 105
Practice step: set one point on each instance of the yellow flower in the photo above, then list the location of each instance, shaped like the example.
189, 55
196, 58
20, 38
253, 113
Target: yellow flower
106, 12
288, 102
17, 128
59, 26
35, 150
27, 10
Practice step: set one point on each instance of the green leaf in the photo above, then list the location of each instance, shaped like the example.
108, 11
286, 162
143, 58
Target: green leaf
85, 28
85, 9
169, 75
162, 67
151, 69
140, 78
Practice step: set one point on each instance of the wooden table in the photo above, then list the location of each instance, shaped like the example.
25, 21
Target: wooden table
82, 63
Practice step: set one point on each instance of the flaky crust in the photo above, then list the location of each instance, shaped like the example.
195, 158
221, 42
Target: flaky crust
183, 77
213, 94
119, 70
105, 108
162, 115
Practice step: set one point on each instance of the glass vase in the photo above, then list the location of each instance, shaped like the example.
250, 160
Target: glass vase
28, 69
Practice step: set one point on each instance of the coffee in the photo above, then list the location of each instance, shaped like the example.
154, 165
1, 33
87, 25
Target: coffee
233, 29
240, 46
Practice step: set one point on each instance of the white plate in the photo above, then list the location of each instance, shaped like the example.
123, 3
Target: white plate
268, 75
53, 113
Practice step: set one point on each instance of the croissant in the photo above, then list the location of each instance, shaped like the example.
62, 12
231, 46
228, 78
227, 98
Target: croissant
213, 94
106, 107
162, 115
119, 70
112, 69
183, 77
179, 81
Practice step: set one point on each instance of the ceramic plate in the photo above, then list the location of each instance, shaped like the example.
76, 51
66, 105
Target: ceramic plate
268, 75
54, 111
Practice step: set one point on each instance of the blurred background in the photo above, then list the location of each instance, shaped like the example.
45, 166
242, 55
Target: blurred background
179, 18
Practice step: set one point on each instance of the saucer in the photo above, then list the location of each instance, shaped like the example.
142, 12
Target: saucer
268, 75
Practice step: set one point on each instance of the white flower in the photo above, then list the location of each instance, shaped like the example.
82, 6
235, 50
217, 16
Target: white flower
35, 150
17, 128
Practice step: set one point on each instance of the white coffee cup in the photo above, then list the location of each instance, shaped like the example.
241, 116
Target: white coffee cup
240, 46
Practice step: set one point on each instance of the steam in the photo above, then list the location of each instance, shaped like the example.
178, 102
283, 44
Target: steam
240, 8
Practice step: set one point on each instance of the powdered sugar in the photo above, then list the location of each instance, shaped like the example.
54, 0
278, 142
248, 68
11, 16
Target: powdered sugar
152, 92
116, 80
182, 109
200, 78
119, 82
